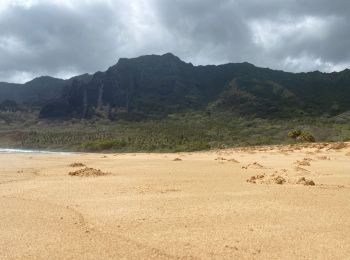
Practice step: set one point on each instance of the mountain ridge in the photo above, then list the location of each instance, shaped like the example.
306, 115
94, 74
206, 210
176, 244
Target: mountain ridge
163, 84
37, 91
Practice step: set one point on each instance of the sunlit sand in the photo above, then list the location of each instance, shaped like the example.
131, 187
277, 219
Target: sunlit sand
248, 203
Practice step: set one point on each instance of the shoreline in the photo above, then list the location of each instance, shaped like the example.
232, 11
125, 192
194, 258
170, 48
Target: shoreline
263, 147
30, 151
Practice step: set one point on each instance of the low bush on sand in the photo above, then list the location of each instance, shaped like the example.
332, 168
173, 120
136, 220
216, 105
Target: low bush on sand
301, 136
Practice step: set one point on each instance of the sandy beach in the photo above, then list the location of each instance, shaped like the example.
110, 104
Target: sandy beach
275, 202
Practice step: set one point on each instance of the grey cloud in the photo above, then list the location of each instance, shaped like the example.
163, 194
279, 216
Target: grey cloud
313, 30
59, 40
50, 39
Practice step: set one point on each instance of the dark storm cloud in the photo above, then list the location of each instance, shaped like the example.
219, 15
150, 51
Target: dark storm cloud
67, 37
54, 39
289, 34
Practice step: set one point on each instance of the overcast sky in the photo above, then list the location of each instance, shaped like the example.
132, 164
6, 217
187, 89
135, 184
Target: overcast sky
63, 38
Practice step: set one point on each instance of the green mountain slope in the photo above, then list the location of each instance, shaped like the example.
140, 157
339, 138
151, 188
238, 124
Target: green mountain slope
158, 85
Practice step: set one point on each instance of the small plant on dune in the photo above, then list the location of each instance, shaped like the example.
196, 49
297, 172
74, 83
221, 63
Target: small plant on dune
306, 137
294, 134
301, 136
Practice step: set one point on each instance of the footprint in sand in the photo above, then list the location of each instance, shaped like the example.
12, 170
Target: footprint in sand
304, 162
310, 153
222, 159
254, 165
300, 169
323, 158
337, 146
256, 178
76, 164
272, 179
305, 182
233, 160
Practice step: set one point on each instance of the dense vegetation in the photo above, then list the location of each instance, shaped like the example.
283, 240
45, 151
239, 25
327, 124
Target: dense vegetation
177, 132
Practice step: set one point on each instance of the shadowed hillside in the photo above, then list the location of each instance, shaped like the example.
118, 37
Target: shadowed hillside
38, 91
158, 85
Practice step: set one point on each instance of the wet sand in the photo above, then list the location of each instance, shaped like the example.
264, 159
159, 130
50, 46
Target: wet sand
203, 205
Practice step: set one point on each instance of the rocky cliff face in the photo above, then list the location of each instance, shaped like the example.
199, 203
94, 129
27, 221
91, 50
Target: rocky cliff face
158, 85
147, 84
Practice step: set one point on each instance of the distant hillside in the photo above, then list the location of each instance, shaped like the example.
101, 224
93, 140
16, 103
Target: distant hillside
156, 85
37, 91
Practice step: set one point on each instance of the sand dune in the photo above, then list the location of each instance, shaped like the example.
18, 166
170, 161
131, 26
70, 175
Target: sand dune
201, 205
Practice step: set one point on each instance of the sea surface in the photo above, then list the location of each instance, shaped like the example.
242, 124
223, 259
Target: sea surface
9, 150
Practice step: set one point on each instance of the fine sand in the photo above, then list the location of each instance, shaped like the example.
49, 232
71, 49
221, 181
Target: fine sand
282, 202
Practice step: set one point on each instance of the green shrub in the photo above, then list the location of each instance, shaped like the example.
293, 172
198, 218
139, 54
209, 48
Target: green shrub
306, 137
103, 145
294, 134
192, 146
301, 136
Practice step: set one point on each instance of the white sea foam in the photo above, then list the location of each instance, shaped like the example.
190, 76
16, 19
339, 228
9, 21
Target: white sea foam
8, 150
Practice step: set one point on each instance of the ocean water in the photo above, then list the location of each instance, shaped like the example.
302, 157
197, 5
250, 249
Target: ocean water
8, 150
